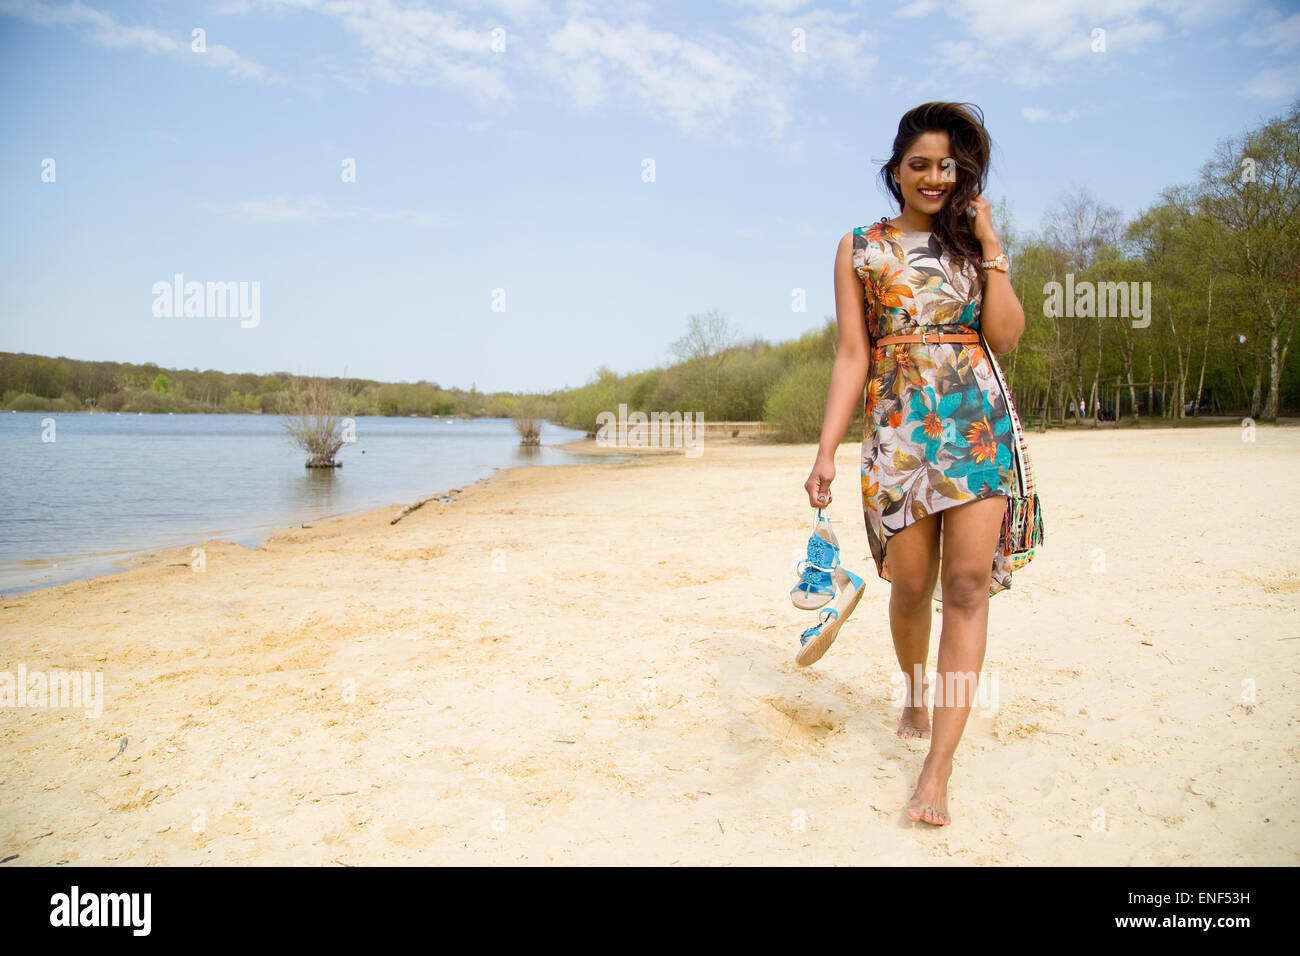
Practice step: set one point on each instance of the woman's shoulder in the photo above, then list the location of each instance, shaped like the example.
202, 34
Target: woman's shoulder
875, 245
879, 231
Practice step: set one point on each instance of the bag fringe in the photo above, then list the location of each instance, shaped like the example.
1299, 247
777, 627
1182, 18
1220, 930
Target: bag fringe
1022, 526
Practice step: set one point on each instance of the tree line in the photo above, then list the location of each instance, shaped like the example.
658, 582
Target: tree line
41, 383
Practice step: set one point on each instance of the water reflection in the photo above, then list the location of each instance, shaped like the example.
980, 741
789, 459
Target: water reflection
317, 492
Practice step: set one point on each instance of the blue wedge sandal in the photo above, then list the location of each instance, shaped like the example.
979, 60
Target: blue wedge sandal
816, 587
817, 640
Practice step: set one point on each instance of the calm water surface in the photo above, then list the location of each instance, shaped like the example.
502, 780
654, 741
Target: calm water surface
112, 486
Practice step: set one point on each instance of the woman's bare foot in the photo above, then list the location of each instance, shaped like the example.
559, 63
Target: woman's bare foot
929, 803
915, 721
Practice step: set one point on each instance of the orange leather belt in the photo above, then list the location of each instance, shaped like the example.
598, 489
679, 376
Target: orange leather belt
929, 337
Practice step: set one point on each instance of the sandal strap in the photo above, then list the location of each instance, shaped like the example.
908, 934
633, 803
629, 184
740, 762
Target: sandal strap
805, 564
815, 630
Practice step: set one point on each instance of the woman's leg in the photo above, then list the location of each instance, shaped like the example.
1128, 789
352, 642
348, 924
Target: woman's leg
913, 568
970, 539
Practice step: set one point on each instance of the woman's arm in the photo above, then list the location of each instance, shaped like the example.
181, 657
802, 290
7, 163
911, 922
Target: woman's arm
1002, 319
848, 374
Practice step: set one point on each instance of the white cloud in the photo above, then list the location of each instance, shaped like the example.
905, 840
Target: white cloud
756, 72
771, 6
1038, 35
687, 80
827, 49
1037, 114
1279, 83
104, 30
918, 8
281, 209
1195, 13
726, 76
1282, 37
417, 44
520, 10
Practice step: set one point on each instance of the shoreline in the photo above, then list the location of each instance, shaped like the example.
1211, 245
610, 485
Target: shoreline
133, 557
145, 556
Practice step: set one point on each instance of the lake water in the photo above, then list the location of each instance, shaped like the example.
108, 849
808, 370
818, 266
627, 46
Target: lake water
112, 486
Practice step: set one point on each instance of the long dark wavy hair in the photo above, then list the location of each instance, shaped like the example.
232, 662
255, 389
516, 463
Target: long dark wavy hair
970, 147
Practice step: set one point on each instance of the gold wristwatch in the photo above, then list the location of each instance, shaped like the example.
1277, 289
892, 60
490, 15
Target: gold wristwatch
1001, 262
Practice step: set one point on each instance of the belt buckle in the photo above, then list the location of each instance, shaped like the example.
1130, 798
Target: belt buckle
924, 334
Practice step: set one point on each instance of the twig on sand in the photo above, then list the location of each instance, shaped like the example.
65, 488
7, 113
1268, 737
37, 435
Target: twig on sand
409, 508
121, 747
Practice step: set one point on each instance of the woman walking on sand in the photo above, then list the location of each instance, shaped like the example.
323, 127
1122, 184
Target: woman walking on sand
944, 466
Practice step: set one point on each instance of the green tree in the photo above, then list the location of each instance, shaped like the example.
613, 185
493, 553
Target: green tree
1251, 190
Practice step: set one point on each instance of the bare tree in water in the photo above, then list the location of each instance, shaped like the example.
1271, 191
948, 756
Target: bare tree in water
315, 422
527, 418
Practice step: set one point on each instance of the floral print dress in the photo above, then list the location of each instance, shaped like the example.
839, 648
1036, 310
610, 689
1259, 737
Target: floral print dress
937, 432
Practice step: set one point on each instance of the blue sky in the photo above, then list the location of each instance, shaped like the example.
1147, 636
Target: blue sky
499, 149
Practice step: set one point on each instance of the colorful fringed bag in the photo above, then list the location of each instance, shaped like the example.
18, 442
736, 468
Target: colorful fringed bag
1022, 528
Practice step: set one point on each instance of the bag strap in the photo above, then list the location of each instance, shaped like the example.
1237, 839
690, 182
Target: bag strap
1024, 481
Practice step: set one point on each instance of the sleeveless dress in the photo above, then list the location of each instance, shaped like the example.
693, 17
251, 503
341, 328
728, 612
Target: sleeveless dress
937, 432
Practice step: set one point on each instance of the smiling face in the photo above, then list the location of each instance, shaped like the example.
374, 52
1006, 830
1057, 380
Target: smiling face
922, 177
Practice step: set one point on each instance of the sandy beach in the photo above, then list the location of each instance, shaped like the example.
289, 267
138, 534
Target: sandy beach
594, 665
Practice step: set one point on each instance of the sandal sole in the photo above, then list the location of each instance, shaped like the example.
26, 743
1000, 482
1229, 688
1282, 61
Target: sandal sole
817, 648
813, 607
